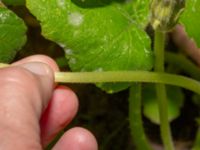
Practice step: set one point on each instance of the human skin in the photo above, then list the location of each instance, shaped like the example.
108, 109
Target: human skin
186, 44
33, 109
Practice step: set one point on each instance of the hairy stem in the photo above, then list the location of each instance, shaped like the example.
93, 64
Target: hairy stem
182, 62
159, 44
126, 76
135, 118
197, 141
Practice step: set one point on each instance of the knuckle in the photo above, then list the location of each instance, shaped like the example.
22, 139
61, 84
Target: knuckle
19, 76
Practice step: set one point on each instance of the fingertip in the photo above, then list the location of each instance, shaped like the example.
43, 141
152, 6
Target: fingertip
60, 111
31, 63
77, 139
66, 102
39, 58
70, 98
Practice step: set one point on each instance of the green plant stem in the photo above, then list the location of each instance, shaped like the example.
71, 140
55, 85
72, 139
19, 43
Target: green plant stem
126, 76
197, 141
183, 63
3, 65
135, 118
159, 44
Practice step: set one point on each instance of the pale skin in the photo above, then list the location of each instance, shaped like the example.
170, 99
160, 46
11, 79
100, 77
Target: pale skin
33, 109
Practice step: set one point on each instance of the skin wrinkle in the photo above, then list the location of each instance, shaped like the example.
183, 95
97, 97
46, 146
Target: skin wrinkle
32, 139
16, 113
16, 84
24, 100
23, 125
20, 77
20, 109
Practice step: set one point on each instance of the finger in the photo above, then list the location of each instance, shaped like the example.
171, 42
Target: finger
181, 38
39, 58
46, 61
25, 90
44, 78
185, 43
60, 111
77, 139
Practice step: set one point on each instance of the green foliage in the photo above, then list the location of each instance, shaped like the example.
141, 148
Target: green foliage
14, 2
109, 35
96, 38
175, 101
190, 19
165, 13
12, 34
139, 11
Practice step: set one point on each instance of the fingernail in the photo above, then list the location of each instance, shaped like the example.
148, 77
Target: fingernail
38, 68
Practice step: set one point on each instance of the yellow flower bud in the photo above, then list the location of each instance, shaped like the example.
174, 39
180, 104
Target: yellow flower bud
164, 14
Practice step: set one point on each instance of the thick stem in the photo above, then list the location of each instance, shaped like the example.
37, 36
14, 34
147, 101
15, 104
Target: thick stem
159, 44
126, 76
135, 118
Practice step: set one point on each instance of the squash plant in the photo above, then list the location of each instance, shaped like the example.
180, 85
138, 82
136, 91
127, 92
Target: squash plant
106, 43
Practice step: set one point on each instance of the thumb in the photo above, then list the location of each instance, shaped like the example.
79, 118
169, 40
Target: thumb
25, 91
45, 79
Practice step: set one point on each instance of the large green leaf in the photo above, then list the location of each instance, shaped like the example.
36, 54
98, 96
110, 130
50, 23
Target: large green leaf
190, 19
139, 11
12, 34
96, 36
175, 101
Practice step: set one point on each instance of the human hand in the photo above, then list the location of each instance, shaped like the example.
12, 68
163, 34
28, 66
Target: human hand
186, 44
33, 110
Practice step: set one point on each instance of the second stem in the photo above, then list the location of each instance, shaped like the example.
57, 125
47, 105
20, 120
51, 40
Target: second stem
159, 45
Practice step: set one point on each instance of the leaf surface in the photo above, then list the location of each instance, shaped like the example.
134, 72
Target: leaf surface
139, 11
14, 2
175, 101
96, 36
190, 19
12, 34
